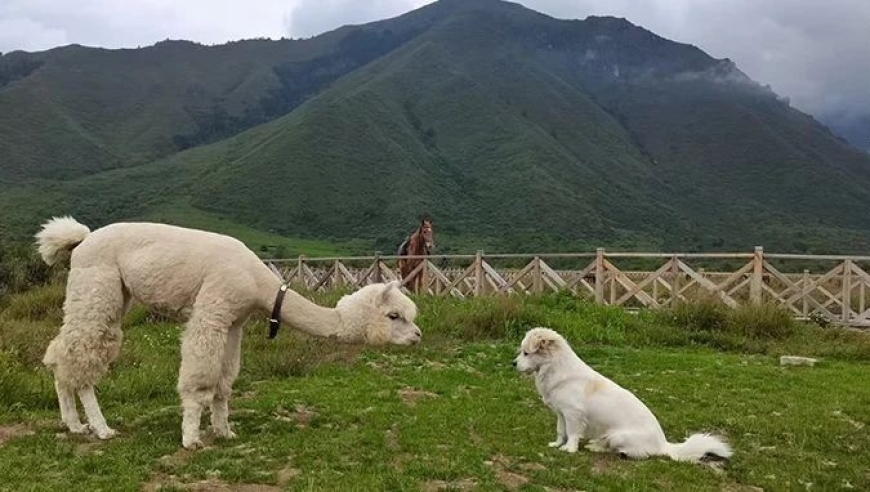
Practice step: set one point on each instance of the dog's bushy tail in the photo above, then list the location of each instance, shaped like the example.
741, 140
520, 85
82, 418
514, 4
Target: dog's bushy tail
699, 447
58, 237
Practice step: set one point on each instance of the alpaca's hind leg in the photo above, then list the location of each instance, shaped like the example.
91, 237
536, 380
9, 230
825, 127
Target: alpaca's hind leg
66, 397
202, 355
89, 340
229, 371
95, 416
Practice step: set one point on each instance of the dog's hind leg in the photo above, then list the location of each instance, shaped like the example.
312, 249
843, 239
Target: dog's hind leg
629, 445
597, 446
561, 437
95, 416
203, 346
229, 371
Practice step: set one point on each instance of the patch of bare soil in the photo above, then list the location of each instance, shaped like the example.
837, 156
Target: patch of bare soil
437, 485
168, 481
509, 479
301, 415
411, 396
9, 432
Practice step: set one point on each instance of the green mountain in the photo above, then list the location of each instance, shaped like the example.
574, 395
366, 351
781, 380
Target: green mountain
514, 130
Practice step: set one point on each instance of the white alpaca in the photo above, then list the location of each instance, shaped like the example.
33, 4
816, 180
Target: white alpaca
212, 279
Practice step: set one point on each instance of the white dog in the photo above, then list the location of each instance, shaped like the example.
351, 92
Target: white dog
590, 406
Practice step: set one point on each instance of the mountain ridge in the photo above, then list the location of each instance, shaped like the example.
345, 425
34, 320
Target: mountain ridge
517, 131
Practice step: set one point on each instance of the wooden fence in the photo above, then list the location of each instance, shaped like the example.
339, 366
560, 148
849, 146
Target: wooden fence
828, 286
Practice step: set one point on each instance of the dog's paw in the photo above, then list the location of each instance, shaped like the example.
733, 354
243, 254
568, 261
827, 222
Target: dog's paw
568, 448
106, 433
596, 447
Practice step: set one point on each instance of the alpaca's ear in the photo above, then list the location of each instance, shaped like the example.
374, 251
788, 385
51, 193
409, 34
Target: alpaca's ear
387, 288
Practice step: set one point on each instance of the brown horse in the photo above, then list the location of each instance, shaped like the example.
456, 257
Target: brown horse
420, 243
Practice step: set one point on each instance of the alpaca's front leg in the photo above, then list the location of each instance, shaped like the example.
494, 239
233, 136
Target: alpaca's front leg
68, 413
229, 371
202, 354
95, 416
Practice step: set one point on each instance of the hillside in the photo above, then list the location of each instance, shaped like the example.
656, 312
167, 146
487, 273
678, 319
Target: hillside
516, 131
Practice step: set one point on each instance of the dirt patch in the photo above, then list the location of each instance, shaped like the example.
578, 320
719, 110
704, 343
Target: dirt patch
436, 485
9, 432
301, 415
474, 436
509, 479
392, 437
170, 481
739, 487
87, 448
433, 364
287, 474
533, 467
411, 396
601, 465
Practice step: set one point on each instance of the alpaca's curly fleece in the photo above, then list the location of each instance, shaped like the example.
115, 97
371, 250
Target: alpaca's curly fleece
212, 279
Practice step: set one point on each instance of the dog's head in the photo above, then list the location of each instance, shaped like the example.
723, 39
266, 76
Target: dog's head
537, 348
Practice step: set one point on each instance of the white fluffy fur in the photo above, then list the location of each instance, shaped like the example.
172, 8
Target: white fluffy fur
591, 406
212, 279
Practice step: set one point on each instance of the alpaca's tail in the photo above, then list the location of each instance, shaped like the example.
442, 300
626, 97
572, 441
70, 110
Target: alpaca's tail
58, 237
699, 447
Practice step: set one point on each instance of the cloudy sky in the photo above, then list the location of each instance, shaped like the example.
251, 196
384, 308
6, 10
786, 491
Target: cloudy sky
817, 52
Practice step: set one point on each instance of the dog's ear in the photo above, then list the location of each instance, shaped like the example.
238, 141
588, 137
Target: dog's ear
541, 345
545, 345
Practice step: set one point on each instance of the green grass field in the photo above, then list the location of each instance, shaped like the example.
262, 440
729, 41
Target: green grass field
451, 414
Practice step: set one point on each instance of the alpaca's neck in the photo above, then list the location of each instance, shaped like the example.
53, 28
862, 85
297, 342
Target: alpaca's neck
304, 315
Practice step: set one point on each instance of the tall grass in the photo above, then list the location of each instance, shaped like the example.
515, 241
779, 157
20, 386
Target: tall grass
30, 319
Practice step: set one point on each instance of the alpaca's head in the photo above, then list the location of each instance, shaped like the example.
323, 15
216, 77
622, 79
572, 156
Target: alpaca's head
380, 314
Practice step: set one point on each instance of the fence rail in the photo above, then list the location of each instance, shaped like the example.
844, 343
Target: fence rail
833, 287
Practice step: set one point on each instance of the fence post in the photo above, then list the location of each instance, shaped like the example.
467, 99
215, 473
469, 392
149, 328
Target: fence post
805, 292
599, 276
847, 290
300, 265
537, 280
424, 276
675, 279
336, 275
478, 273
757, 276
378, 276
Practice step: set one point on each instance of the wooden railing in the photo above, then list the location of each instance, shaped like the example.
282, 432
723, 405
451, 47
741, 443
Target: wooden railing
829, 286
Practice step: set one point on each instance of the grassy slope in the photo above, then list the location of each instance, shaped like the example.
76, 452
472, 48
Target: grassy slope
86, 109
490, 120
449, 413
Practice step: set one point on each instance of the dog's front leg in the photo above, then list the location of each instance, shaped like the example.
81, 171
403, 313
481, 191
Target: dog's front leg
575, 427
561, 437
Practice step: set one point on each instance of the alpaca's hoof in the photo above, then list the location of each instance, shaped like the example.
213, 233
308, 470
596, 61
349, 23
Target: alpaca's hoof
78, 428
192, 443
106, 433
568, 448
224, 433
555, 444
